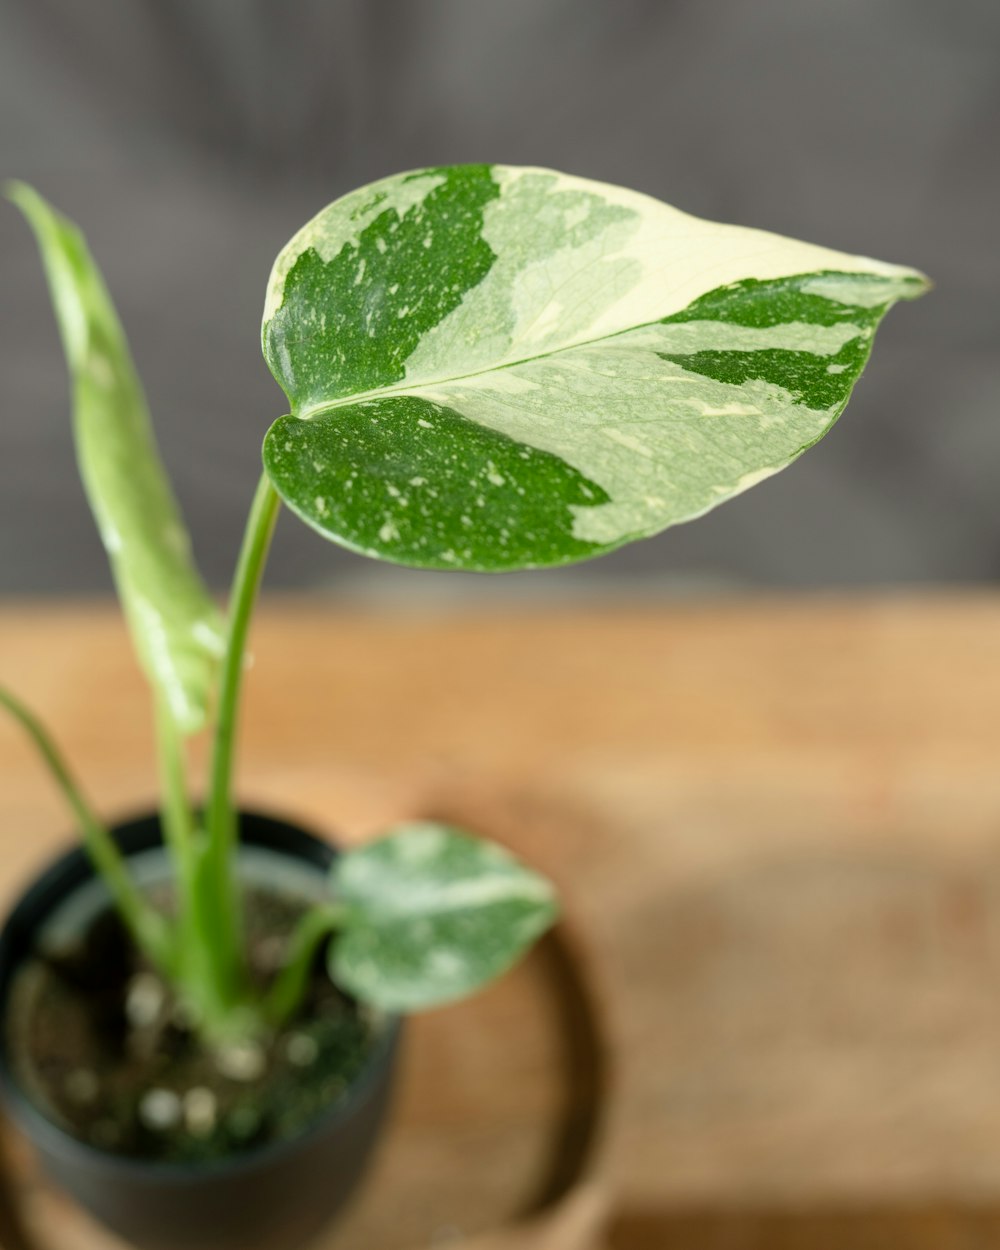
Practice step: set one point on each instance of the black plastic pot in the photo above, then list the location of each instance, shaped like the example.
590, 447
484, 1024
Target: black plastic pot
276, 1197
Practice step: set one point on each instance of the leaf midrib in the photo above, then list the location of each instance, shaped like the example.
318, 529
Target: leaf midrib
403, 388
317, 410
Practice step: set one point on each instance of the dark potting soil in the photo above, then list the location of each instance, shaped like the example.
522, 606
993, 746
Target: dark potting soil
101, 1045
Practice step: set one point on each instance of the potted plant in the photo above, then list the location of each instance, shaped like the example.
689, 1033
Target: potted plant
487, 368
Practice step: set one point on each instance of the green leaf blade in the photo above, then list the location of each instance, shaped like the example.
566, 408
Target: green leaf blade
348, 322
502, 503
431, 915
174, 624
652, 364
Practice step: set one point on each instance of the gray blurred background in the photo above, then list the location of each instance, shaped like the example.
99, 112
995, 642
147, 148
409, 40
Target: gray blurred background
190, 138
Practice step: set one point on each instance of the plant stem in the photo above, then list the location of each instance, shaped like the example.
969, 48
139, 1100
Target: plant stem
148, 928
220, 815
289, 986
204, 968
177, 824
176, 817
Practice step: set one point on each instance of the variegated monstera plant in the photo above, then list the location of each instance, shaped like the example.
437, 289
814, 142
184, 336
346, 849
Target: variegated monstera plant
487, 368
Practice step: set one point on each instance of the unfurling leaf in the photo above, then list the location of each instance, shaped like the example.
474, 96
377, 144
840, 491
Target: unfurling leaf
174, 623
496, 368
430, 914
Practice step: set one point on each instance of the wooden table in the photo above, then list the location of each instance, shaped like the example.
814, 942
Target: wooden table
776, 824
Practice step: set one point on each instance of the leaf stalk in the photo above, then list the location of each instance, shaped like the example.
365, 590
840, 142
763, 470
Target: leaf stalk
289, 986
220, 816
148, 927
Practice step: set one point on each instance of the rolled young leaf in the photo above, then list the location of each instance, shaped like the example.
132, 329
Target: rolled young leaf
174, 624
430, 914
495, 368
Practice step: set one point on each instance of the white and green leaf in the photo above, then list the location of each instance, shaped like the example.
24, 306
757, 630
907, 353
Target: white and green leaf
174, 623
431, 914
494, 368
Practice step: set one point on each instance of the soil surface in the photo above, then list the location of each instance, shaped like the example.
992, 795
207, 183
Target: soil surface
101, 1045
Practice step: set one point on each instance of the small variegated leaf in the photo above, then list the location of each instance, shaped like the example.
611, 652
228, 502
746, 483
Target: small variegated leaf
174, 624
496, 368
431, 914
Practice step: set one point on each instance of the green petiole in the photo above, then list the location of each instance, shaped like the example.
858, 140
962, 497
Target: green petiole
286, 992
150, 930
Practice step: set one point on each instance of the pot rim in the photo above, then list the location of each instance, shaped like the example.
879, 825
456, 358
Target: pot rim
136, 834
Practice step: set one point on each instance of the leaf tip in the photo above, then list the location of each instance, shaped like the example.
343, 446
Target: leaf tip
14, 189
920, 284
24, 196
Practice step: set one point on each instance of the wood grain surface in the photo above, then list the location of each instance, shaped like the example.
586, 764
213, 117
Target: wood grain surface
776, 825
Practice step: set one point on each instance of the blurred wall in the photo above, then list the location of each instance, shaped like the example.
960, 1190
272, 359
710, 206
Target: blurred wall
191, 137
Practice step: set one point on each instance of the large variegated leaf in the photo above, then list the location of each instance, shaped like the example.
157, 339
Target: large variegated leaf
174, 624
496, 368
431, 914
